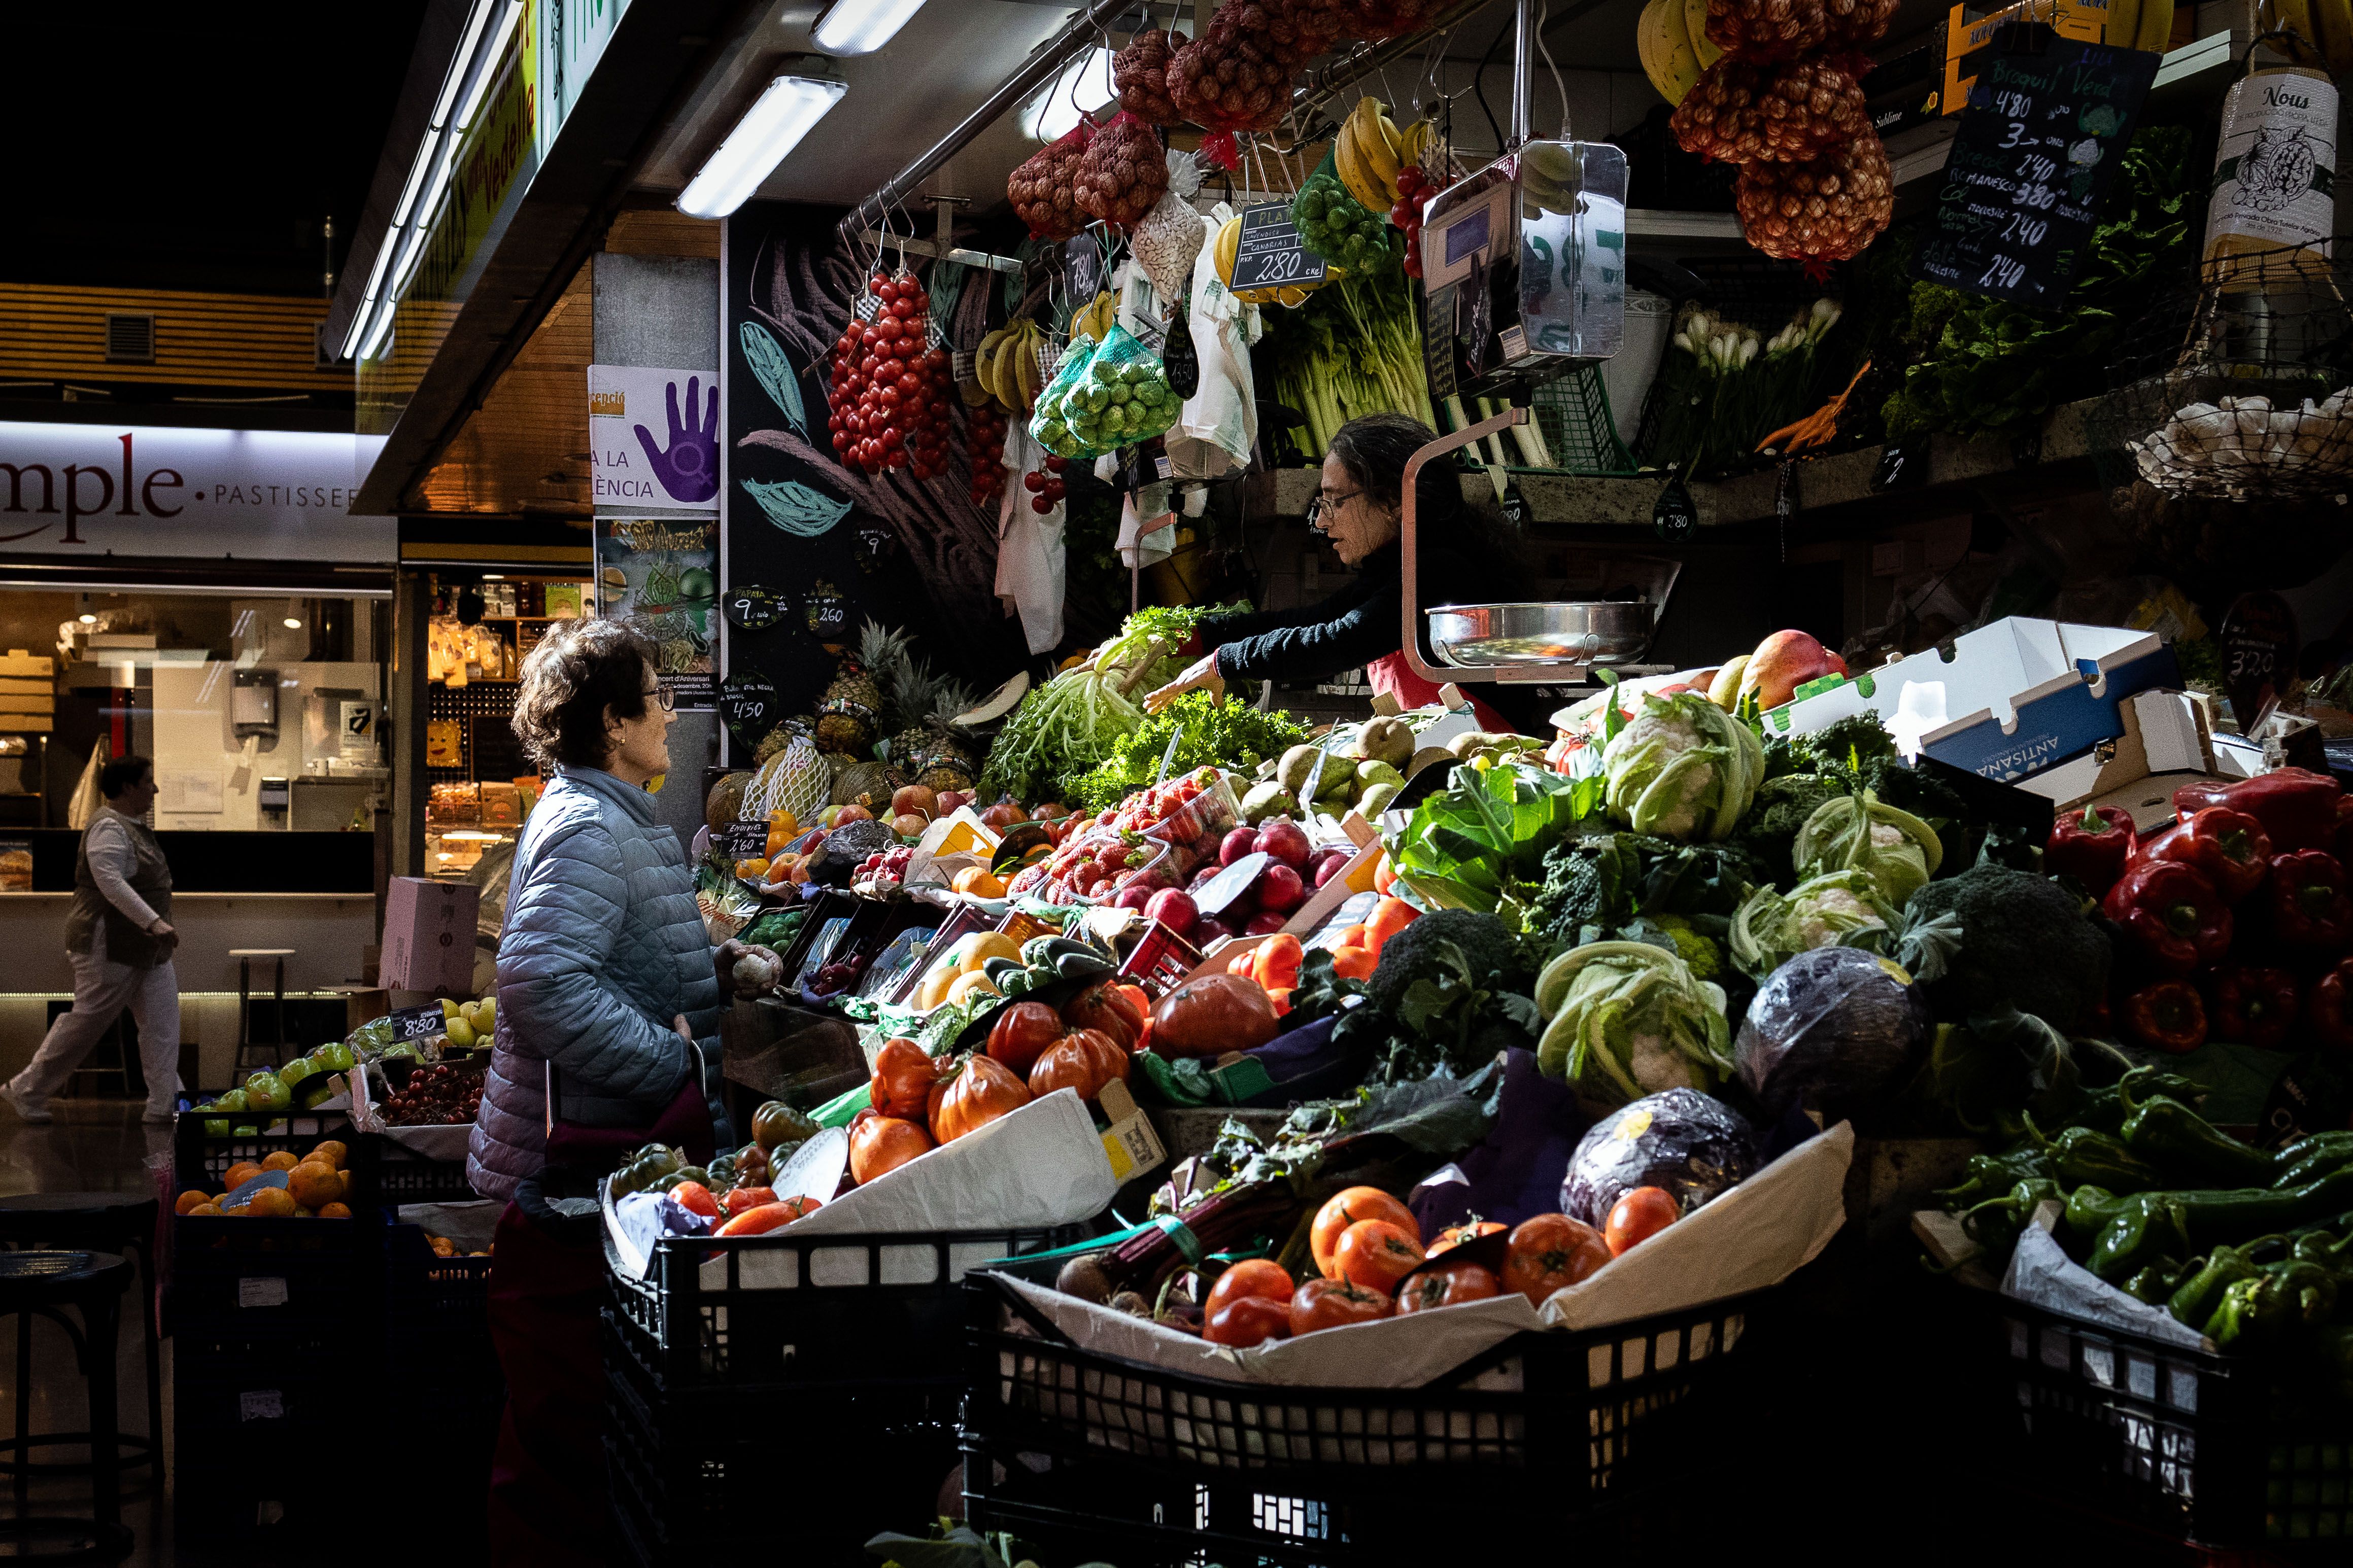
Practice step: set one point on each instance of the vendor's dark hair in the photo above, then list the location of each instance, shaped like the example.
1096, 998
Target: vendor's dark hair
579, 669
122, 774
1375, 450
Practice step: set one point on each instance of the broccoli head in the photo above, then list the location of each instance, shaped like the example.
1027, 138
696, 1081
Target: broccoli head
1844, 748
1698, 951
1487, 944
2025, 944
1781, 808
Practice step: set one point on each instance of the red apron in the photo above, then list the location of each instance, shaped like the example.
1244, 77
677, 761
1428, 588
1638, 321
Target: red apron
1392, 676
549, 1502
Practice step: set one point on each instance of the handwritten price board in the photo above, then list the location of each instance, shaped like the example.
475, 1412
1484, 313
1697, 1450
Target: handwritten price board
2045, 128
1272, 253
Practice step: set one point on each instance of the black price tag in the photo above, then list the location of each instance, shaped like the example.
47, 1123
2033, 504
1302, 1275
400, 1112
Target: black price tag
1271, 254
827, 616
2045, 128
752, 608
1083, 266
1674, 514
1901, 468
1179, 358
1515, 506
744, 840
747, 702
418, 1023
2314, 1095
1437, 357
2259, 648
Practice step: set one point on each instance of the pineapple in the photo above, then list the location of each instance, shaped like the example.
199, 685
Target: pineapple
850, 709
1820, 211
1792, 114
948, 757
780, 737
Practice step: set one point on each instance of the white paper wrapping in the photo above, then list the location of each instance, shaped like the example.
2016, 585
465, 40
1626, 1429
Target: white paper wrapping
1756, 1236
471, 1226
2045, 1276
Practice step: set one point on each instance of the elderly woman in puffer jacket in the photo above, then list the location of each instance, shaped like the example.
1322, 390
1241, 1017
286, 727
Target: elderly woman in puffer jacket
605, 972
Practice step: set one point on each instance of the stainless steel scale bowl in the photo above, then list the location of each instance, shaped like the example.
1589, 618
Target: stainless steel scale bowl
1482, 637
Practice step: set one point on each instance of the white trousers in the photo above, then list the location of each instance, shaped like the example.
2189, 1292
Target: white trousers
101, 991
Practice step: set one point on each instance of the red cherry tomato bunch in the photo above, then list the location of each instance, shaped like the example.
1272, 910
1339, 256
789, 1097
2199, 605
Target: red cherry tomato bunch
983, 436
890, 387
1046, 489
1414, 191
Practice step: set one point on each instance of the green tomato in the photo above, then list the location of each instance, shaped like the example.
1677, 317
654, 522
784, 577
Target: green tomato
217, 1127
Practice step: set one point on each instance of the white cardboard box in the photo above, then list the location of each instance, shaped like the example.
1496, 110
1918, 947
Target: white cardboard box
429, 935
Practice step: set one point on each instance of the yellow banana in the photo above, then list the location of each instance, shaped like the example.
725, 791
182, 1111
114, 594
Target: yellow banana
2334, 20
1695, 29
1668, 59
1380, 162
1348, 158
1390, 135
1229, 244
2296, 16
2124, 24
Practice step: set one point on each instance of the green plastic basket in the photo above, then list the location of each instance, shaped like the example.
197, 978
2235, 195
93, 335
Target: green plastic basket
1573, 412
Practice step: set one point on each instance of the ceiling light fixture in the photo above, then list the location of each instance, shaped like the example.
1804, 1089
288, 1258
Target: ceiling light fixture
862, 27
88, 619
1084, 85
512, 13
762, 140
456, 78
293, 615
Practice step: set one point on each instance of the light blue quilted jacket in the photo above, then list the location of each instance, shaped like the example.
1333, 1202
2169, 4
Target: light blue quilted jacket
603, 946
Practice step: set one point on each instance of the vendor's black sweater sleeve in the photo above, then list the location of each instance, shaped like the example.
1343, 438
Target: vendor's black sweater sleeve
1353, 627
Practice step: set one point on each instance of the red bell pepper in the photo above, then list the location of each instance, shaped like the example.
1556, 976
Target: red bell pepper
2172, 912
2296, 806
2091, 846
2309, 906
2328, 1008
2254, 1006
2229, 847
2167, 1016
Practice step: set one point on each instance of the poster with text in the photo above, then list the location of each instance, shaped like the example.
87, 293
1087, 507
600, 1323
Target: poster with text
660, 575
653, 438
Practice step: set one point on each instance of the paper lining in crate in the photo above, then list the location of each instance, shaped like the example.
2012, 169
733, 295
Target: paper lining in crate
1040, 1166
1752, 1237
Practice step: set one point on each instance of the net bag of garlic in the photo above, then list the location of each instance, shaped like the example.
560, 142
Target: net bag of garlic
1375, 20
1140, 72
1793, 113
1819, 212
1121, 172
1043, 191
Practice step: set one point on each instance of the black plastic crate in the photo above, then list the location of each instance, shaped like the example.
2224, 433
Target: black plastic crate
245, 1393
2216, 1451
426, 1291
696, 1477
400, 1176
269, 1275
1106, 1456
794, 1310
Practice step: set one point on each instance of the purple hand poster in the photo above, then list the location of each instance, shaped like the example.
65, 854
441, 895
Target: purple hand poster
653, 438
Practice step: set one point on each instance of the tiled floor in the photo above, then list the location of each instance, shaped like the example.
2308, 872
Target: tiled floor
93, 1146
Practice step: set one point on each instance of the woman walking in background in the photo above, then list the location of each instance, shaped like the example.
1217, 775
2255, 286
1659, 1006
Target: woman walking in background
119, 939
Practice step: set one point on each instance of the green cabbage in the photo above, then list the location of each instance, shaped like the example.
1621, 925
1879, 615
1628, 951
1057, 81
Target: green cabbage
1682, 768
1627, 1019
1856, 832
1837, 909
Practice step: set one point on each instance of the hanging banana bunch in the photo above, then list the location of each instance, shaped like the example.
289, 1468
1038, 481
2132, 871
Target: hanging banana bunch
1006, 365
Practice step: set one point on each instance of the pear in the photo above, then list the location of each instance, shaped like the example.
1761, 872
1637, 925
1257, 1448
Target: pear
462, 1034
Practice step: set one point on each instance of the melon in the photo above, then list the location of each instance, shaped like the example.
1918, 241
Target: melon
724, 804
797, 779
851, 780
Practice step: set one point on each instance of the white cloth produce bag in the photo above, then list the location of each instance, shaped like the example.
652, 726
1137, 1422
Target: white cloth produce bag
1030, 555
1218, 427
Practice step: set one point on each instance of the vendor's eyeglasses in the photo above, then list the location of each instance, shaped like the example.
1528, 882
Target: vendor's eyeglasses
664, 697
1323, 505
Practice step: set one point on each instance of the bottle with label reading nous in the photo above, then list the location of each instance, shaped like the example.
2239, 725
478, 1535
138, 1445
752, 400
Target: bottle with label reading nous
2273, 171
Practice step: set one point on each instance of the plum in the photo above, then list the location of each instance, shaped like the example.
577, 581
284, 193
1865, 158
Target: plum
1236, 845
1265, 924
1280, 889
1329, 864
1173, 910
1135, 895
1286, 841
1209, 930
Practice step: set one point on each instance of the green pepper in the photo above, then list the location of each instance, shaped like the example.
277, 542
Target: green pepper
2105, 1109
2200, 1293
2156, 1283
2330, 1244
2089, 1209
1992, 1175
2085, 1156
2282, 1296
2309, 1158
2182, 1141
2148, 1229
1995, 1224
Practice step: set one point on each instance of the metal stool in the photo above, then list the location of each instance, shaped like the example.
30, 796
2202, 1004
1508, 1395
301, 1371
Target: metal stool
245, 1040
92, 1284
121, 1223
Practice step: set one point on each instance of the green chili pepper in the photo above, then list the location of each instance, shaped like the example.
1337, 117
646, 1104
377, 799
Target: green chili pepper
2105, 1109
1992, 1175
2089, 1209
2101, 1159
1995, 1224
2309, 1158
2322, 1244
2148, 1230
2154, 1283
2281, 1297
2182, 1141
2200, 1293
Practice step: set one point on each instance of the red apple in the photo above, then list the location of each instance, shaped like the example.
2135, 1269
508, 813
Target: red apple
1202, 876
1782, 663
1173, 910
1236, 845
1137, 896
909, 824
1004, 814
1286, 841
1329, 864
1265, 924
915, 800
1280, 889
1209, 930
952, 800
852, 813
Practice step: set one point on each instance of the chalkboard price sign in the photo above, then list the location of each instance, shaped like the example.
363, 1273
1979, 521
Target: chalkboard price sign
2038, 145
753, 608
1271, 254
2259, 648
748, 703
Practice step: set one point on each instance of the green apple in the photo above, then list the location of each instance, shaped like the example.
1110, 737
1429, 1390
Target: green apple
462, 1034
247, 1130
267, 1092
295, 1072
233, 1100
336, 1057
449, 1008
217, 1129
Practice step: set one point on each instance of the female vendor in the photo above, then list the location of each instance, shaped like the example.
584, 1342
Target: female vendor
1465, 559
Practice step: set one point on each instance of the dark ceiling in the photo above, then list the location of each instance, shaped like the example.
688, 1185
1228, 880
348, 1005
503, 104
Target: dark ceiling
194, 147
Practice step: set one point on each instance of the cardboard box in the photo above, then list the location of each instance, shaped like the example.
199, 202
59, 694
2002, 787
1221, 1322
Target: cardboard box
2004, 701
19, 663
2164, 732
14, 703
26, 687
1131, 1143
27, 723
429, 935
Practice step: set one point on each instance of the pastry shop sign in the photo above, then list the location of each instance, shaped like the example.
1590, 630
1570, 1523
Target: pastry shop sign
99, 490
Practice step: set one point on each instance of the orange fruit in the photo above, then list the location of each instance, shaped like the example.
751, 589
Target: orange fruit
207, 1210
332, 1152
334, 1210
278, 1160
239, 1174
272, 1202
191, 1200
313, 1182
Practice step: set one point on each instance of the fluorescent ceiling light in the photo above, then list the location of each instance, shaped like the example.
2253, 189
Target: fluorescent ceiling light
768, 131
382, 330
1084, 85
368, 296
512, 13
862, 27
456, 78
